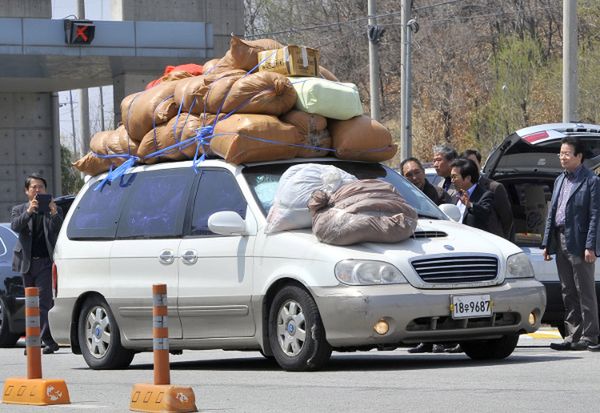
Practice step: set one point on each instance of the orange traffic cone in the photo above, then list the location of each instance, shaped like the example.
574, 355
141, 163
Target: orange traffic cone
34, 389
161, 396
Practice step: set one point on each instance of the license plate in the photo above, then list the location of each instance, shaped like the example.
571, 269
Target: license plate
469, 306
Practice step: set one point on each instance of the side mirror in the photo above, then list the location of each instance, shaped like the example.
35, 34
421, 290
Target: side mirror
451, 211
227, 223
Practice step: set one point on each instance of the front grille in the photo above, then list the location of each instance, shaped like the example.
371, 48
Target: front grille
447, 323
429, 234
451, 270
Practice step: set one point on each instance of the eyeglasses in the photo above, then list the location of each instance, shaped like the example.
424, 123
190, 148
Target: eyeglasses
565, 155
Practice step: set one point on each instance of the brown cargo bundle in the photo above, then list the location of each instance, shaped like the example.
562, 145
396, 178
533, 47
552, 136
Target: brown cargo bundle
264, 93
243, 54
253, 138
326, 74
313, 129
178, 129
192, 91
361, 138
143, 110
217, 93
368, 210
112, 142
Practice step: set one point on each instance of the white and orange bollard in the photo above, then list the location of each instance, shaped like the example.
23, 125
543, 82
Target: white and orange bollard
161, 396
33, 389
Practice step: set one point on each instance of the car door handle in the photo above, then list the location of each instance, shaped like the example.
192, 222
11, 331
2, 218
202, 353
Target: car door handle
189, 257
166, 257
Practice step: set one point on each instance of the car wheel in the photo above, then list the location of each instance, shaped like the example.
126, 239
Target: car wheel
99, 337
296, 333
7, 338
491, 349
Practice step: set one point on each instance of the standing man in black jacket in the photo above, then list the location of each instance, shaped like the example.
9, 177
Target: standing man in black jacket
32, 256
413, 170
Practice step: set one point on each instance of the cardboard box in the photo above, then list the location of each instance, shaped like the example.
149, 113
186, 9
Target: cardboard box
290, 60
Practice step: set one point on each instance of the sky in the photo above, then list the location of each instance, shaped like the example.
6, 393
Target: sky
94, 10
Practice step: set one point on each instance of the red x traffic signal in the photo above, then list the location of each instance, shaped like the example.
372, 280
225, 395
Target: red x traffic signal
79, 32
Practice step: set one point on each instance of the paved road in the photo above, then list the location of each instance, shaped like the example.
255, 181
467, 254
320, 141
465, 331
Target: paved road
533, 379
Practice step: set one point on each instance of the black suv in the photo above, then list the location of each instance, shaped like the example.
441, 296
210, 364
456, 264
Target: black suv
12, 301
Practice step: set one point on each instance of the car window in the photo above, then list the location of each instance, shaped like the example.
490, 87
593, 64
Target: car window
7, 242
97, 213
156, 205
217, 191
263, 181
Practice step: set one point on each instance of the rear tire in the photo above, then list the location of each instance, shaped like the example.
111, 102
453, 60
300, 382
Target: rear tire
496, 349
99, 337
7, 337
296, 333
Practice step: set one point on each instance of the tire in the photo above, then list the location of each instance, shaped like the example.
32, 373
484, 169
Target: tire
296, 333
7, 337
491, 349
99, 337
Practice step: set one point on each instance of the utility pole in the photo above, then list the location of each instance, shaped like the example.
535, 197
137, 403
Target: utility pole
73, 125
570, 90
84, 101
374, 33
405, 82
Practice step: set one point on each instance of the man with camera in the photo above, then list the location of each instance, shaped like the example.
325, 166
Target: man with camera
37, 222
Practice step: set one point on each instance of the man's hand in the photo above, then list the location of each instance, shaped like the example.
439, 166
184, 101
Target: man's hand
590, 255
53, 208
33, 206
464, 198
547, 256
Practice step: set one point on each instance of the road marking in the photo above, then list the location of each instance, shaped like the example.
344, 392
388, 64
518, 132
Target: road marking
545, 334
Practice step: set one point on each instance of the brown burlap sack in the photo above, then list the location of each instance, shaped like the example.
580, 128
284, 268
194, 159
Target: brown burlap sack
222, 65
113, 142
208, 66
151, 107
178, 129
361, 138
265, 93
326, 74
217, 93
313, 129
253, 138
244, 53
191, 92
92, 165
368, 210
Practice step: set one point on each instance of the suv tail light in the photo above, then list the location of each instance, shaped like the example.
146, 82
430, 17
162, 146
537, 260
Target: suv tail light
54, 280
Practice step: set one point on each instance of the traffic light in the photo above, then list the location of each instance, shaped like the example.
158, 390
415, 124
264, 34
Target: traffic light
79, 32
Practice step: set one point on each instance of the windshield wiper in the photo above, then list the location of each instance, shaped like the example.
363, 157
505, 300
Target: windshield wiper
428, 216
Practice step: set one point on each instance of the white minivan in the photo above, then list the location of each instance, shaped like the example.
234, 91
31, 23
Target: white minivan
200, 230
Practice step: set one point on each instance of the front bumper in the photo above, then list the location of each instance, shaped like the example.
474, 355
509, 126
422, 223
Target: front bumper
349, 313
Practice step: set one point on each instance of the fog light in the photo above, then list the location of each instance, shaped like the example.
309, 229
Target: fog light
532, 319
381, 327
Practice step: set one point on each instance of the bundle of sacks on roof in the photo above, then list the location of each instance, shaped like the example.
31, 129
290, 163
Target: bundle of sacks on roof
340, 208
262, 101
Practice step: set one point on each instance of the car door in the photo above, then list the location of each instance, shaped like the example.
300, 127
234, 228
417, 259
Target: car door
215, 271
145, 251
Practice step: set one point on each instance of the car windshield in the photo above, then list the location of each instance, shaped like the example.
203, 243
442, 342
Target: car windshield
264, 179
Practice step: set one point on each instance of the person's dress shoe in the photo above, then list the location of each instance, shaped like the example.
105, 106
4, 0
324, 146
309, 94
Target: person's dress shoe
580, 345
50, 349
437, 348
594, 347
422, 348
454, 349
565, 345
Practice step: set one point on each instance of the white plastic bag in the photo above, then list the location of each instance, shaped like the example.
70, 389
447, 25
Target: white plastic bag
290, 206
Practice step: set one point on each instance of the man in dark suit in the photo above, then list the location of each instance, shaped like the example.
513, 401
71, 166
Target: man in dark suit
32, 256
475, 202
572, 231
502, 204
413, 170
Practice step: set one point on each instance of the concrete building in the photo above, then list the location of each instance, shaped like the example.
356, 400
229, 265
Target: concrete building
127, 52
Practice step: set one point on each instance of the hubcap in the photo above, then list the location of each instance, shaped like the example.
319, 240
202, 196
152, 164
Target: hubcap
291, 328
97, 332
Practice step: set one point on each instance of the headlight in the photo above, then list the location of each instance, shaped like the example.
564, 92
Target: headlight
519, 266
356, 272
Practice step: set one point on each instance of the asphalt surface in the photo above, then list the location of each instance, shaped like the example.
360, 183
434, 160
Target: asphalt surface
533, 379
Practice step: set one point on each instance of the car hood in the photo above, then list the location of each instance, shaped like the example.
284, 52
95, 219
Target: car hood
432, 237
535, 149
